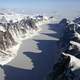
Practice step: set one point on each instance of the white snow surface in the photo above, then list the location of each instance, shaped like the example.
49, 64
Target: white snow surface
2, 28
75, 43
75, 65
14, 17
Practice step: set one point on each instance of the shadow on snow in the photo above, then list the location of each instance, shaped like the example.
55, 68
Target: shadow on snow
43, 61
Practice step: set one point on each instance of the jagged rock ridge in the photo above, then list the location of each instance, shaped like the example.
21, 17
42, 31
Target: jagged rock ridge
14, 30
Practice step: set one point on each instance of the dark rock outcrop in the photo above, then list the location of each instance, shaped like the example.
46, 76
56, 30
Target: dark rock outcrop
18, 28
60, 69
70, 44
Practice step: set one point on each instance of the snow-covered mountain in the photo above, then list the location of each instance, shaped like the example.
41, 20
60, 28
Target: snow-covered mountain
13, 29
77, 20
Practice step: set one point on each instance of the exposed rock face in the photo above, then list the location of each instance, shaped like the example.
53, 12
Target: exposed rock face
67, 67
77, 20
14, 30
70, 34
6, 40
71, 39
60, 69
3, 20
9, 41
64, 21
2, 45
31, 23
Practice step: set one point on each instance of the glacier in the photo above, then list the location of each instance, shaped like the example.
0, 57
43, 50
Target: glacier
14, 28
